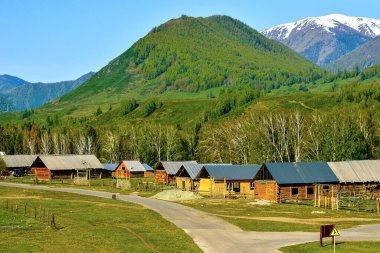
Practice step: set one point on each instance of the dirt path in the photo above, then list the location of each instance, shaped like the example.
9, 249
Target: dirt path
313, 221
213, 234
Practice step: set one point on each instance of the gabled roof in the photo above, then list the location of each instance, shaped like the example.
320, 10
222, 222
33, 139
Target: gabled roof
230, 172
19, 161
147, 167
110, 166
134, 166
70, 162
301, 172
172, 167
364, 171
193, 169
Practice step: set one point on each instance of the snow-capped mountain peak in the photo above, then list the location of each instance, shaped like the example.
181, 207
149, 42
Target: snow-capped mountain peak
366, 26
324, 39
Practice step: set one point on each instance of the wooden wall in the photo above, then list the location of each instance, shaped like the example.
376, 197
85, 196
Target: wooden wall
160, 176
121, 171
266, 190
42, 173
184, 183
148, 174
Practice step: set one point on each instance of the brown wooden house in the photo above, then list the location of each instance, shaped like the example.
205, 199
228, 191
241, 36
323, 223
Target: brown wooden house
165, 172
48, 167
292, 181
128, 169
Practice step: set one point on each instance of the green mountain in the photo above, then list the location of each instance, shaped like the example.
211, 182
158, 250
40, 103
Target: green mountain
362, 57
33, 95
190, 55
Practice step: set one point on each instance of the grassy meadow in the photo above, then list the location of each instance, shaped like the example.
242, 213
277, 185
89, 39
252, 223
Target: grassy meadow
86, 224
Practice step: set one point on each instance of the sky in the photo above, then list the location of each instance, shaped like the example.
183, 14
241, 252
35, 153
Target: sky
48, 41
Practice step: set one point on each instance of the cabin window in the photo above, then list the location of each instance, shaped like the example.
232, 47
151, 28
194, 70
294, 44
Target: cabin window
252, 186
236, 187
310, 190
326, 187
123, 168
294, 191
229, 187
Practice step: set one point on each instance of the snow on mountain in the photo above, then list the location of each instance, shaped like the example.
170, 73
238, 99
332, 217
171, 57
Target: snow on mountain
325, 39
366, 26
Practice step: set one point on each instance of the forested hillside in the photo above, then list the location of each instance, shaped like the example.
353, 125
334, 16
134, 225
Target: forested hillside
339, 123
210, 89
191, 55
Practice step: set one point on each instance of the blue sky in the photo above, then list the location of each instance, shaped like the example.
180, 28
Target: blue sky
51, 40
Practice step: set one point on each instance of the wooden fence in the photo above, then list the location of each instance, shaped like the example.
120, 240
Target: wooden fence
40, 214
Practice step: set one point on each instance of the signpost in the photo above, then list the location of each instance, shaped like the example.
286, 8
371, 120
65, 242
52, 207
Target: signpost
325, 231
333, 234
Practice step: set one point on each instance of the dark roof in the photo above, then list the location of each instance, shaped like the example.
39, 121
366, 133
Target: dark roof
301, 172
147, 167
231, 172
110, 166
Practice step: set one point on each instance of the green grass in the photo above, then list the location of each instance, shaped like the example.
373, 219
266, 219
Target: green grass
105, 184
88, 224
280, 217
314, 247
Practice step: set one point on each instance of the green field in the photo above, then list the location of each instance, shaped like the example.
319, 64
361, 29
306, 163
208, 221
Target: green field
86, 224
314, 247
280, 217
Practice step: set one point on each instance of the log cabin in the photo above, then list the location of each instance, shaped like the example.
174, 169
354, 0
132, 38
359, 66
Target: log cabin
48, 167
220, 180
276, 182
128, 169
165, 172
149, 171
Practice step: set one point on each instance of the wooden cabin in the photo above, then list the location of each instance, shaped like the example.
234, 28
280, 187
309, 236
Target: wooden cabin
128, 169
109, 169
165, 172
48, 167
149, 171
186, 177
292, 181
19, 163
221, 180
357, 175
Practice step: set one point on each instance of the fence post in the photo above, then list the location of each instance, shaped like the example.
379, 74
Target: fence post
35, 212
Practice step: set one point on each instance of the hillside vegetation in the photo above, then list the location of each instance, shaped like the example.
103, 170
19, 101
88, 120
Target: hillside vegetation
191, 55
183, 93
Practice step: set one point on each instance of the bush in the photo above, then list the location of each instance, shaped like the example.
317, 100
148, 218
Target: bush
151, 106
129, 106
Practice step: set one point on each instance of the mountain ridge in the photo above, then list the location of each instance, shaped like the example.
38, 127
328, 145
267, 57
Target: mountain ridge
324, 39
28, 95
363, 57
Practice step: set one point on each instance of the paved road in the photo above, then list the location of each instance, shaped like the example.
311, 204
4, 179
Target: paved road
213, 234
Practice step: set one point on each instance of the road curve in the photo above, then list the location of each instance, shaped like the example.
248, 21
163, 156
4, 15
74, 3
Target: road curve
215, 235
